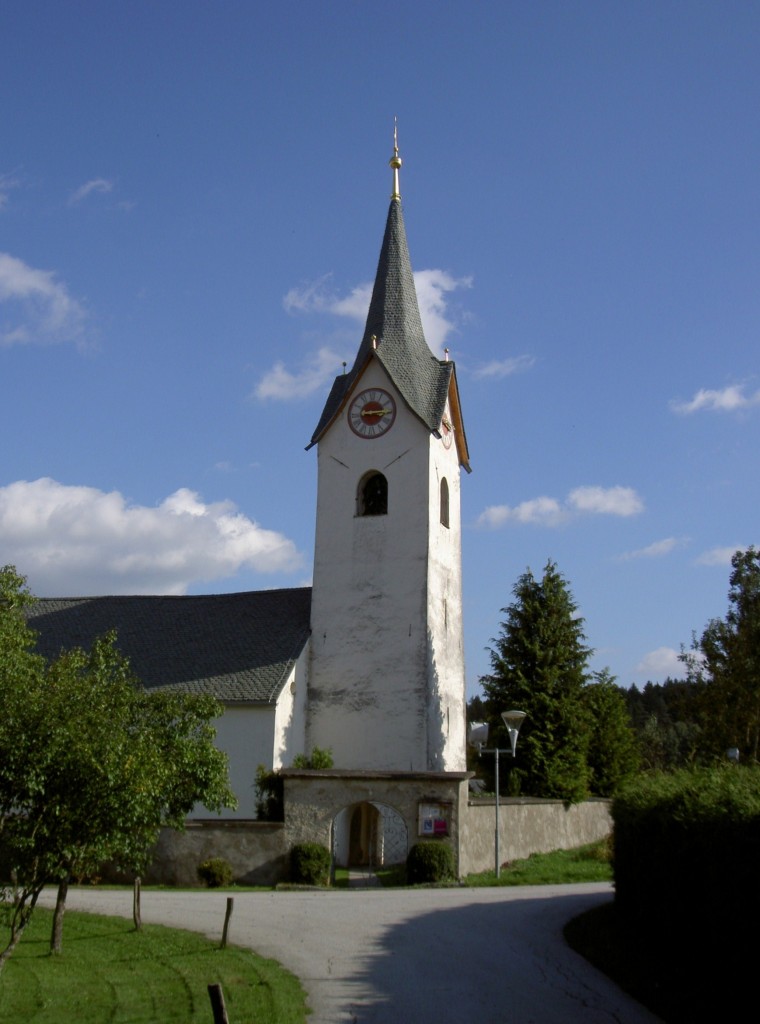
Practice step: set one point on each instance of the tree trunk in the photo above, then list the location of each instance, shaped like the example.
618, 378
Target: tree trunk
20, 919
56, 936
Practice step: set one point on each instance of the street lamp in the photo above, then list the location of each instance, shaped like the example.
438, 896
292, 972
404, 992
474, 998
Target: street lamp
478, 736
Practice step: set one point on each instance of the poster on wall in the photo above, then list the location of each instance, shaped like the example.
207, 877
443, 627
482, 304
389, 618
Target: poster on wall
434, 820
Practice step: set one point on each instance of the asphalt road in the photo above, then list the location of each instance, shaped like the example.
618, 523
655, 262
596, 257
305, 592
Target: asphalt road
425, 956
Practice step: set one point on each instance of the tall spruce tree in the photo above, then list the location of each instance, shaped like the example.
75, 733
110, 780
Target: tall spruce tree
539, 664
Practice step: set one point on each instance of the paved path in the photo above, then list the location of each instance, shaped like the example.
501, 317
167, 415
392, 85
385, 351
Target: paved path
424, 956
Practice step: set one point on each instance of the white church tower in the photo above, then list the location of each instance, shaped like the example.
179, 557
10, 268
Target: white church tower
386, 679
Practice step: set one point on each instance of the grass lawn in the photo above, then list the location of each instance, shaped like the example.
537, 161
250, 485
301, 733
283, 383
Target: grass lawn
109, 972
585, 864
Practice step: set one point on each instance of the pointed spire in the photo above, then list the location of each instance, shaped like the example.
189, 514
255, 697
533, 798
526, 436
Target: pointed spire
393, 332
395, 162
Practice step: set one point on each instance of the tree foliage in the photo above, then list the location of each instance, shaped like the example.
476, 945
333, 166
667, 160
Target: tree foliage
724, 663
539, 664
666, 718
613, 752
91, 764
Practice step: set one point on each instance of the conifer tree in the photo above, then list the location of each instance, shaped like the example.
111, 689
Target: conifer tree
539, 665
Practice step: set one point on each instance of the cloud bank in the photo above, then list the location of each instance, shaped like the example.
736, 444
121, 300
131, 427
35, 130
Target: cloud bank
499, 368
658, 549
77, 541
720, 556
35, 308
545, 511
730, 399
662, 662
96, 185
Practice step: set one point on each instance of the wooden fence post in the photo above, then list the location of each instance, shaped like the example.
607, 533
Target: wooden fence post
136, 914
216, 996
227, 916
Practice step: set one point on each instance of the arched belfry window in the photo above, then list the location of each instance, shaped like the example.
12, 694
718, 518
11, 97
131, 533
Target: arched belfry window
372, 497
444, 503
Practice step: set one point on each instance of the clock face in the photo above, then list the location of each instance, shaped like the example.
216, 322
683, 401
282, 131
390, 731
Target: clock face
371, 413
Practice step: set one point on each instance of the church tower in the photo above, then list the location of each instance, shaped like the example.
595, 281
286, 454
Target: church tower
386, 678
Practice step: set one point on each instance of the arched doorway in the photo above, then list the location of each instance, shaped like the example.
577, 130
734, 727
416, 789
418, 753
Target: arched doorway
369, 834
362, 836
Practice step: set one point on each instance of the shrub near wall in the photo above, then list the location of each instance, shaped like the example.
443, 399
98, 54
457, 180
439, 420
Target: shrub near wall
686, 863
430, 861
310, 864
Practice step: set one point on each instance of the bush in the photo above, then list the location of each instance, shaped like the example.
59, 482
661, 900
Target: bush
270, 804
318, 759
215, 872
430, 861
310, 864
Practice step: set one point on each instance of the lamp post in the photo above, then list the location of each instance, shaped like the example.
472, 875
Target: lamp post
478, 736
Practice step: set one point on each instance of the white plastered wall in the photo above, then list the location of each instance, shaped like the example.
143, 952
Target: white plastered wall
268, 734
373, 695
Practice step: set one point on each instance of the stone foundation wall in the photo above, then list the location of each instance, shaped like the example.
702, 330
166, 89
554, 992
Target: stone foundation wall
257, 851
528, 826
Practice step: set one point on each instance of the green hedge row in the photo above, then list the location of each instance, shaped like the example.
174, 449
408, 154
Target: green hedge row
686, 866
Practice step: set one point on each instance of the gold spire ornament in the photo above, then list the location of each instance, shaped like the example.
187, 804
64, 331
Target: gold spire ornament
395, 161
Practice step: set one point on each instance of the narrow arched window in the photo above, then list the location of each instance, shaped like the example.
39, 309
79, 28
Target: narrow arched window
445, 503
372, 498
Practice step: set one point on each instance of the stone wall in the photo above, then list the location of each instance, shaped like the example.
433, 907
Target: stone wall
313, 799
527, 826
256, 850
259, 852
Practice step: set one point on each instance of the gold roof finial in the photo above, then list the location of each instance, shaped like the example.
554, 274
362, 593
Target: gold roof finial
395, 161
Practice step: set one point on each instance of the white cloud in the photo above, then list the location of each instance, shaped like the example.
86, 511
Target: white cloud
719, 556
7, 183
545, 511
78, 540
728, 399
656, 550
433, 288
316, 373
504, 367
41, 310
614, 501
308, 298
538, 511
662, 662
96, 185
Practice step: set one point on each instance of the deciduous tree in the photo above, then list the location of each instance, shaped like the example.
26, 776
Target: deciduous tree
725, 661
91, 764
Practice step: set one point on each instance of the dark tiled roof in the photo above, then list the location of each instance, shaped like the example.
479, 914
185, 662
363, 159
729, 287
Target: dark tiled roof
394, 319
238, 647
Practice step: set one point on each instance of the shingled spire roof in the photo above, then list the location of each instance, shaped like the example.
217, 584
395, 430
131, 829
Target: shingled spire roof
393, 333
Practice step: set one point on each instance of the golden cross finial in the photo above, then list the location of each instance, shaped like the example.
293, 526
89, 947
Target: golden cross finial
395, 161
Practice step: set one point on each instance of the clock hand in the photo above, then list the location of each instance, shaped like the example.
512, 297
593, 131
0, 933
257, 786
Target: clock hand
375, 412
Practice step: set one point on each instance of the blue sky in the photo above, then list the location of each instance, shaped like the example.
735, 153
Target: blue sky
192, 199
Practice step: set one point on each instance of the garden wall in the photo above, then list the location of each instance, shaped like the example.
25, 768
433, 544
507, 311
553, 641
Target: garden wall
527, 826
259, 851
